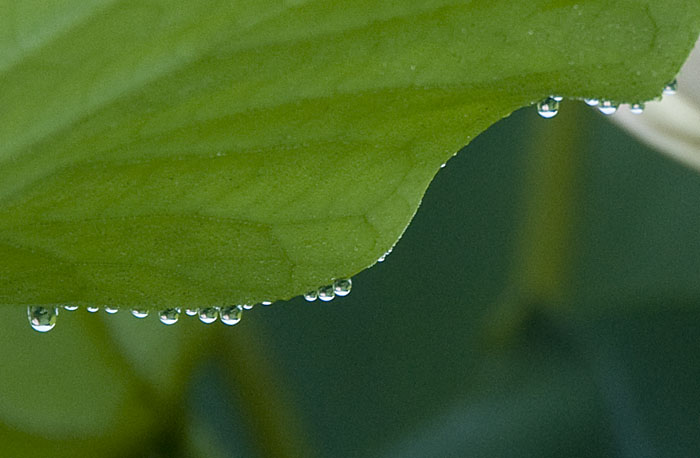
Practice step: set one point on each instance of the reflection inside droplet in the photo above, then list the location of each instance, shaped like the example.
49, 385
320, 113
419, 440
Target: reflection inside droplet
548, 108
208, 315
342, 286
139, 313
231, 315
42, 319
169, 316
326, 293
607, 107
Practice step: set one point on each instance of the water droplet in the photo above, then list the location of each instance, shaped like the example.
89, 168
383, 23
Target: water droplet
382, 258
548, 108
70, 308
442, 166
93, 309
607, 107
557, 98
671, 88
266, 303
326, 293
208, 315
342, 286
637, 108
231, 315
191, 312
139, 313
591, 102
42, 319
248, 306
111, 310
169, 316
311, 296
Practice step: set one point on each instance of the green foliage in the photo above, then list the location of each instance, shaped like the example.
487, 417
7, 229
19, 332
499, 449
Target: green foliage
209, 153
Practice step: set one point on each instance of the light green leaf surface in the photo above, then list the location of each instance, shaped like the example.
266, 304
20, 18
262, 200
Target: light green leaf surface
168, 153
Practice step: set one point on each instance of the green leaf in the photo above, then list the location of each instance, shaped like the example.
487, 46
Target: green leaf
91, 387
212, 153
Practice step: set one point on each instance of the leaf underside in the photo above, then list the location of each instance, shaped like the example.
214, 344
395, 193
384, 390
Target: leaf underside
209, 153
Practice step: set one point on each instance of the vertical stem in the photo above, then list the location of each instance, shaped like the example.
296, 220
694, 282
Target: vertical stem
263, 394
544, 248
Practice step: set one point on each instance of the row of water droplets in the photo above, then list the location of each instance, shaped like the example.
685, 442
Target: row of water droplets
327, 293
43, 319
549, 107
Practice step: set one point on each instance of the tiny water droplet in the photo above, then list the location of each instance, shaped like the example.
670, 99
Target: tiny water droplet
266, 303
557, 98
248, 306
208, 315
70, 308
637, 108
326, 293
139, 313
169, 316
382, 258
607, 107
42, 319
111, 310
548, 108
671, 88
591, 102
311, 296
231, 315
442, 166
92, 309
342, 286
191, 312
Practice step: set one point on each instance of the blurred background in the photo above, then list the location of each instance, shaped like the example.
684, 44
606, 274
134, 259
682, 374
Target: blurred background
543, 303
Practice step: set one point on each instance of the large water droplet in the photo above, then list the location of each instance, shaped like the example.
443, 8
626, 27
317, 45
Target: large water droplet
671, 88
169, 316
92, 309
607, 107
111, 310
342, 286
70, 308
637, 108
139, 313
191, 312
42, 319
231, 315
591, 102
548, 108
311, 296
208, 315
326, 293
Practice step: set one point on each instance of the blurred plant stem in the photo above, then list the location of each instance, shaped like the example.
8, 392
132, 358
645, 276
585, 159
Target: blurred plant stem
543, 250
200, 443
275, 429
